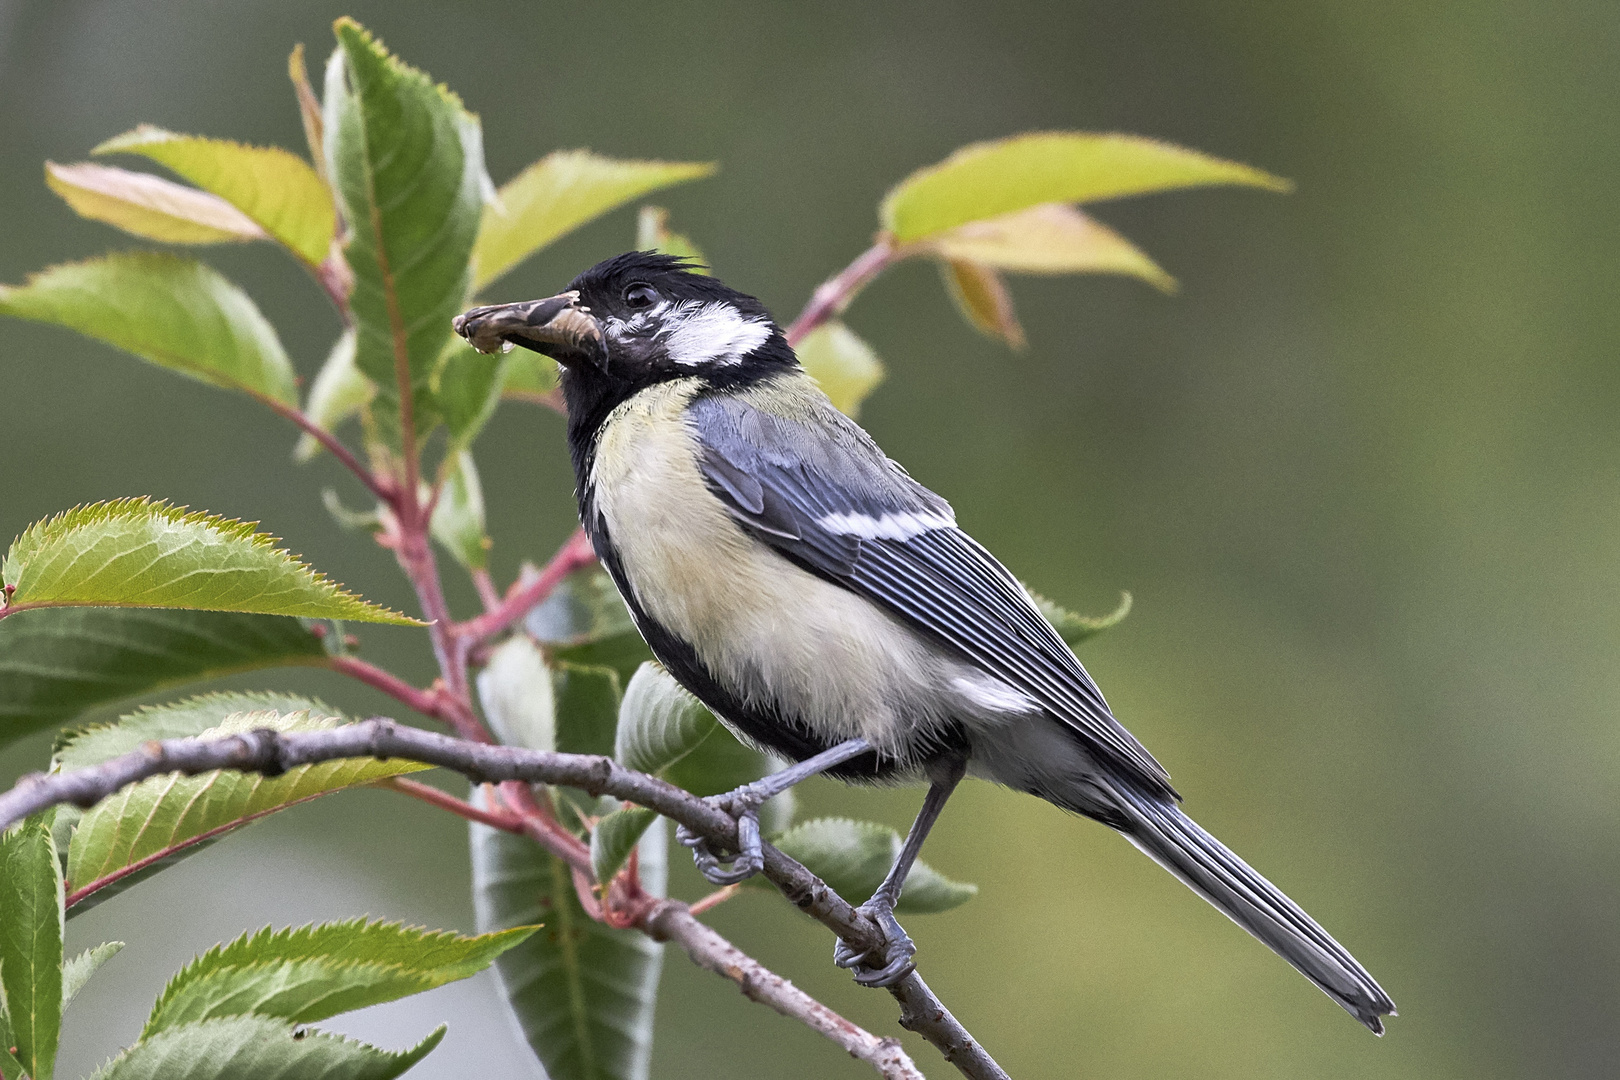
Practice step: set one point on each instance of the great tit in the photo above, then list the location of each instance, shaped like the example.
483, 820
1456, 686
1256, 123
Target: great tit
825, 605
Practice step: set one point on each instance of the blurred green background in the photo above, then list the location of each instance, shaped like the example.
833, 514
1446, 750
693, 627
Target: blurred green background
1359, 476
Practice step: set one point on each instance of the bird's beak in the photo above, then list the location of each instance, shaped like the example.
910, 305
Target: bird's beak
556, 326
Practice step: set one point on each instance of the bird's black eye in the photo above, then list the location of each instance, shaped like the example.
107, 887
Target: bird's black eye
640, 295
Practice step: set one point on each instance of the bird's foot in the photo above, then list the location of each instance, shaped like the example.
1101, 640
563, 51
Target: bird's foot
892, 961
743, 806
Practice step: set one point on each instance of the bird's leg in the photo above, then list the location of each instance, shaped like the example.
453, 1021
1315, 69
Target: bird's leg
894, 962
743, 804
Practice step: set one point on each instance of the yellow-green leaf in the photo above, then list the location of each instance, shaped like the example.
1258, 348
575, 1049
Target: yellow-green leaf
845, 366
150, 206
1052, 238
309, 109
313, 972
340, 391
653, 234
170, 310
854, 857
252, 1047
275, 187
559, 193
528, 376
159, 814
140, 553
1077, 628
988, 179
982, 297
467, 388
458, 516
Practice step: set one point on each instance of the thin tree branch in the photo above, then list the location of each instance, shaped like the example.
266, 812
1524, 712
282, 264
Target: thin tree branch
575, 554
671, 920
273, 753
833, 295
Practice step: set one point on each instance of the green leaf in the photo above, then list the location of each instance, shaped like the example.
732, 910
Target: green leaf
56, 663
184, 719
339, 392
854, 856
583, 993
587, 708
10, 1067
175, 312
83, 747
528, 376
407, 161
309, 109
664, 730
615, 836
660, 722
584, 621
516, 691
77, 971
1049, 239
258, 1048
314, 972
844, 365
468, 388
653, 234
1077, 628
274, 187
982, 297
147, 821
458, 516
559, 193
150, 206
31, 944
988, 179
139, 553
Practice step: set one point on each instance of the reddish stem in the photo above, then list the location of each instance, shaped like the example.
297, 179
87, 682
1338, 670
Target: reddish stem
833, 295
488, 594
575, 554
545, 829
379, 486
714, 899
435, 702
423, 701
496, 819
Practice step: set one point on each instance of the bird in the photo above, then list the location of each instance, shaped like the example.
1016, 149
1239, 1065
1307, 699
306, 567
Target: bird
827, 607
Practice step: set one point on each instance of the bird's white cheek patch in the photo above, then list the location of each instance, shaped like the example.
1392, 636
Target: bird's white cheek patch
715, 333
901, 525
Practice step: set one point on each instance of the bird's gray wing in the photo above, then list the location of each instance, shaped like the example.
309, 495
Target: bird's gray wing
821, 493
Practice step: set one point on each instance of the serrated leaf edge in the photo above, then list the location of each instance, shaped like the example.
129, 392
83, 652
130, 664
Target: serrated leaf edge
139, 507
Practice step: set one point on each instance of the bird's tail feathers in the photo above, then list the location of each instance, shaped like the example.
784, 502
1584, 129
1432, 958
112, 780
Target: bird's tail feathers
1176, 842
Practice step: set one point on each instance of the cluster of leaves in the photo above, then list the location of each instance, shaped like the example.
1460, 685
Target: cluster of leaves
394, 216
237, 1011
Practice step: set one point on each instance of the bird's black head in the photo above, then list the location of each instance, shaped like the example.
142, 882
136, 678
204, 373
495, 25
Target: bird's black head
633, 321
